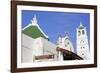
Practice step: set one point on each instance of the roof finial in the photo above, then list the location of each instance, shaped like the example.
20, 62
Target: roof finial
81, 24
34, 20
66, 34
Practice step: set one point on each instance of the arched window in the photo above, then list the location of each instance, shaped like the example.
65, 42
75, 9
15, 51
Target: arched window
79, 33
83, 32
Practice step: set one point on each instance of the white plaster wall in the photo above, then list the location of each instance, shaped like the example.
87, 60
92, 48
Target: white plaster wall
26, 55
27, 49
27, 41
48, 46
38, 47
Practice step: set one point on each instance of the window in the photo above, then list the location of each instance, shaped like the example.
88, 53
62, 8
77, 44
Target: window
82, 54
82, 41
68, 43
83, 32
79, 33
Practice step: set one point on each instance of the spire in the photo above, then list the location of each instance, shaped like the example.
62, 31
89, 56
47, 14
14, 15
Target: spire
34, 20
81, 26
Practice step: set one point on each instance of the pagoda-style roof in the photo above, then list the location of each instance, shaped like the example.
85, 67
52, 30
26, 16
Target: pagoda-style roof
33, 30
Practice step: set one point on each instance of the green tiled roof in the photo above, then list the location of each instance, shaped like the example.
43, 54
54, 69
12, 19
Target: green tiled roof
33, 32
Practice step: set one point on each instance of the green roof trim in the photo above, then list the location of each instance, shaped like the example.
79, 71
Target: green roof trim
33, 32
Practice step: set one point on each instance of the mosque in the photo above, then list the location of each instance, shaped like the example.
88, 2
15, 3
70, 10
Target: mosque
36, 46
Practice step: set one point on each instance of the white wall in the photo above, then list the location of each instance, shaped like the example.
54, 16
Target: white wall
35, 47
27, 41
51, 46
5, 37
26, 55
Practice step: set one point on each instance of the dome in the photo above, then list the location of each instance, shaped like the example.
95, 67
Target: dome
81, 26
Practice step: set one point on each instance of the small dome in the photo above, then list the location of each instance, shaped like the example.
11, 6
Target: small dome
81, 26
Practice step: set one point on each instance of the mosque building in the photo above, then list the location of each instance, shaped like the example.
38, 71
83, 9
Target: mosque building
36, 46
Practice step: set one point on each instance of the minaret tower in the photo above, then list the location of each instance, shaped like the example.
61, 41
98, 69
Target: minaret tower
82, 42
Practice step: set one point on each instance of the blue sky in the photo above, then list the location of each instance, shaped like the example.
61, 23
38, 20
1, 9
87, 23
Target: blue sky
57, 23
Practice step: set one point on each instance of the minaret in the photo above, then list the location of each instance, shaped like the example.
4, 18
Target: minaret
82, 42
